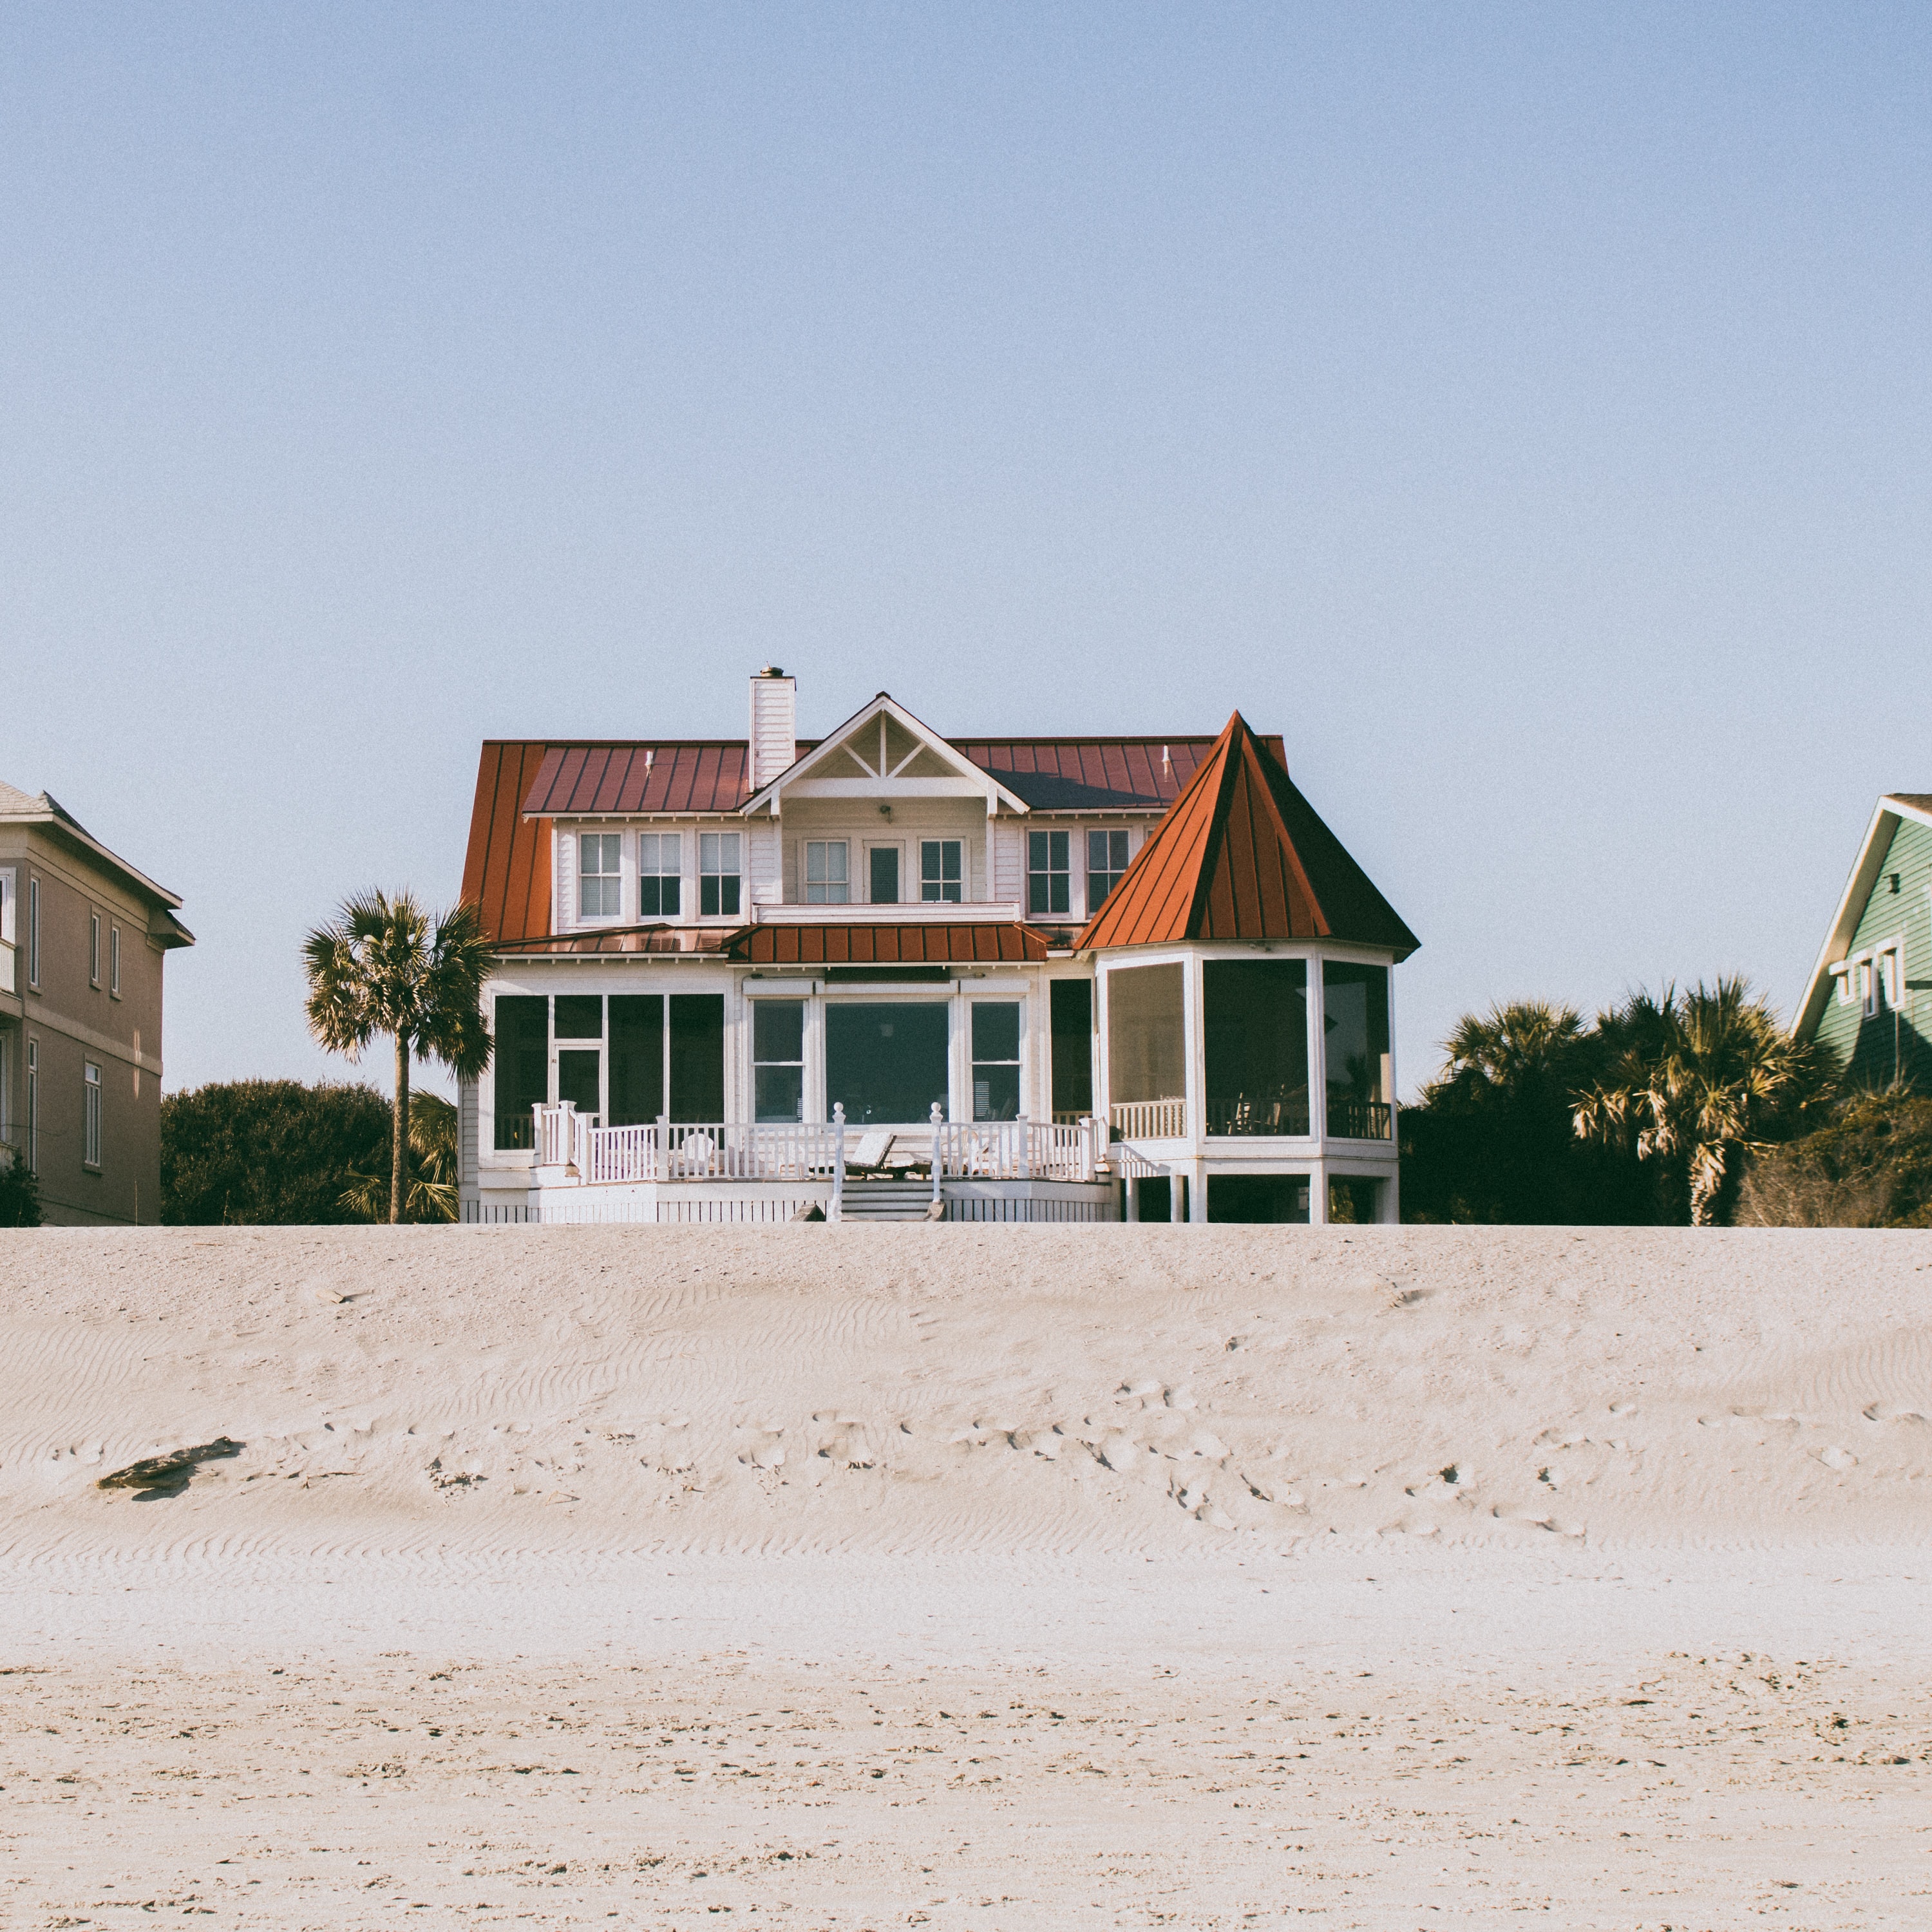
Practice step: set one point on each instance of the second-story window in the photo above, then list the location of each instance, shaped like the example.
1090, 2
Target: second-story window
90, 1118
94, 948
1049, 888
826, 880
114, 961
660, 874
720, 883
939, 871
600, 882
1106, 860
33, 932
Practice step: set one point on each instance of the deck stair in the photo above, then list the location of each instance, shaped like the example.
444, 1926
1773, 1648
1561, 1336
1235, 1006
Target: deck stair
886, 1200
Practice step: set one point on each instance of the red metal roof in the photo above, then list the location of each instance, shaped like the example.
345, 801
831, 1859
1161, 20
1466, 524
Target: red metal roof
868, 945
506, 870
1243, 855
583, 780
664, 941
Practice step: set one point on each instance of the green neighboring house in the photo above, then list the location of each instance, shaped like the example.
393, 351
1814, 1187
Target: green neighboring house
1870, 998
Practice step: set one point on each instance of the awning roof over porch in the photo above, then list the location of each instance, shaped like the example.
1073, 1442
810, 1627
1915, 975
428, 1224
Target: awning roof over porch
987, 942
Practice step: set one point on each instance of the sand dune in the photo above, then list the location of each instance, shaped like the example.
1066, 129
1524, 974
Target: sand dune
1010, 1576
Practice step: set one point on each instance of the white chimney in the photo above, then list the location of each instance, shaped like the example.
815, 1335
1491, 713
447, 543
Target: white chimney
774, 725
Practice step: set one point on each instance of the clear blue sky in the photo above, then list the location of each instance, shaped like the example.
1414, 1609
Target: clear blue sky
1523, 409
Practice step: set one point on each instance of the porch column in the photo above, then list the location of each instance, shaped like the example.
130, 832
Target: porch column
1195, 1078
1318, 1192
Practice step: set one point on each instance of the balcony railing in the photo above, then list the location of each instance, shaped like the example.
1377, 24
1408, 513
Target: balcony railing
1353, 1120
1019, 1150
1150, 1120
1253, 1114
664, 1150
9, 979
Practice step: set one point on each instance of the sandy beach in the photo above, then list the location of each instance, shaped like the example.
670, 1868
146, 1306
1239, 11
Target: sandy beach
1379, 1577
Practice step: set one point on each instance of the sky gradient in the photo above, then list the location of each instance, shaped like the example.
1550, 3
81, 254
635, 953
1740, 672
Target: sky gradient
1523, 410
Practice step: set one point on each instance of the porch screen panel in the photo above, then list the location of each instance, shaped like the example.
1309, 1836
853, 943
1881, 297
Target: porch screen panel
576, 1078
1256, 1021
1355, 1000
1146, 1047
697, 1056
520, 1056
636, 1058
885, 1063
1070, 1008
778, 1060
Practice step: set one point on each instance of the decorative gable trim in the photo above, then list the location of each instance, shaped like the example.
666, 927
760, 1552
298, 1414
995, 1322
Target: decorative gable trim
1887, 816
916, 763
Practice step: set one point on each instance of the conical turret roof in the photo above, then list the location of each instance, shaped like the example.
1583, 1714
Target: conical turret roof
1241, 855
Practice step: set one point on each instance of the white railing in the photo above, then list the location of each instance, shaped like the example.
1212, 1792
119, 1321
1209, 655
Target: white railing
7, 976
1018, 1149
665, 1149
1150, 1120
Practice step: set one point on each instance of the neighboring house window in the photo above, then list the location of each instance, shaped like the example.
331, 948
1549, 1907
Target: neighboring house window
1049, 888
660, 874
34, 1106
600, 880
1842, 974
114, 961
6, 1097
1106, 860
778, 1060
826, 881
939, 871
720, 883
33, 932
94, 948
90, 1145
996, 1058
1867, 988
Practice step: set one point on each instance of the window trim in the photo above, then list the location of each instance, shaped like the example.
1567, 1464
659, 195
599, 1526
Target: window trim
897, 847
827, 885
601, 876
711, 882
94, 948
113, 962
33, 932
657, 873
91, 1112
1050, 872
932, 892
1018, 1063
1109, 833
33, 1120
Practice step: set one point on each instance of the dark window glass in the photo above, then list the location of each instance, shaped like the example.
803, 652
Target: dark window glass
697, 1057
1354, 1001
1146, 1050
636, 1058
1106, 860
1257, 1046
996, 1059
576, 1075
719, 879
778, 1060
1070, 1004
660, 866
884, 875
521, 1058
580, 1016
1355, 1197
1256, 1197
885, 1063
1049, 888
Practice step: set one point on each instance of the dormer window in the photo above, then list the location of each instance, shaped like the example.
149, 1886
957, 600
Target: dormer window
1049, 873
660, 874
1106, 861
827, 876
600, 883
720, 883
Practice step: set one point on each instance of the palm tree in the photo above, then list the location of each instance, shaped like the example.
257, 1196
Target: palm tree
431, 1193
386, 967
1696, 1079
1524, 1046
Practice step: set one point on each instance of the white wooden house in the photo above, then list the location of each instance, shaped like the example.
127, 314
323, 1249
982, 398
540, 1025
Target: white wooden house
891, 974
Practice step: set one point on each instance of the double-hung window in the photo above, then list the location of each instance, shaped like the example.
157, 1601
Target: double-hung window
940, 870
90, 1142
660, 874
996, 1059
1106, 860
600, 878
827, 881
720, 883
778, 1060
1049, 873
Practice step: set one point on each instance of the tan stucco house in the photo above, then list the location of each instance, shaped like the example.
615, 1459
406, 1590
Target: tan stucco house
83, 936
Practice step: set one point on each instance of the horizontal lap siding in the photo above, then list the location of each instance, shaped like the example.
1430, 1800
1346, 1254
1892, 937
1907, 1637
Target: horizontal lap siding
1869, 1049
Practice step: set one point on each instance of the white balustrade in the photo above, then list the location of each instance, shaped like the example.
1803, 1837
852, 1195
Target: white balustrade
1018, 1149
1150, 1120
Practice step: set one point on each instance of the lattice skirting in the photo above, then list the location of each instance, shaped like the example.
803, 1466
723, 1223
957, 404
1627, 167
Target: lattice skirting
995, 1209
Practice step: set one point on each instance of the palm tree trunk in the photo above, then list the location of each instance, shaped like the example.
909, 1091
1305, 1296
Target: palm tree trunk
399, 1139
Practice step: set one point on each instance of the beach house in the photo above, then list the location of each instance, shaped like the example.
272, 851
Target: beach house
83, 938
888, 974
1866, 1000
